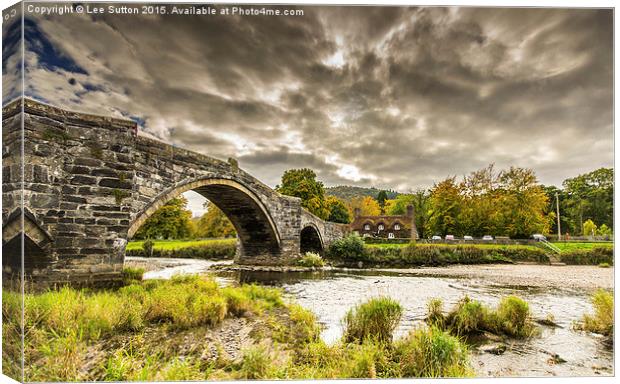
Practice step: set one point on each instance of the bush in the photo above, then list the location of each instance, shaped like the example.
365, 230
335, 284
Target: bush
430, 254
603, 319
432, 352
594, 256
350, 247
375, 319
311, 259
147, 248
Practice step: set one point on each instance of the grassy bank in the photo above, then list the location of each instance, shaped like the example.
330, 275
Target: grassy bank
198, 249
164, 330
352, 250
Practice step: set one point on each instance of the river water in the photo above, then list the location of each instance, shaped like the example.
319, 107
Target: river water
331, 294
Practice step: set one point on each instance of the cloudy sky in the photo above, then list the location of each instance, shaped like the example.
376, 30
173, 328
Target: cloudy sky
390, 97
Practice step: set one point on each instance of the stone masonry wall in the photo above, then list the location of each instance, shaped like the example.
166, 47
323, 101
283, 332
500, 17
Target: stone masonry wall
90, 181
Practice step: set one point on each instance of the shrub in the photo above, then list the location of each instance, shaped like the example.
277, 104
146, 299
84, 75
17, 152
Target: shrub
603, 319
350, 247
147, 248
311, 259
432, 352
375, 319
594, 256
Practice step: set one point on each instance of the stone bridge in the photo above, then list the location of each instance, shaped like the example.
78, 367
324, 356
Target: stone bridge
89, 182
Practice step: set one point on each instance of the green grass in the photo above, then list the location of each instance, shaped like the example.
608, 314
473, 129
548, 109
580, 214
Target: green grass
432, 353
375, 319
170, 245
573, 246
155, 331
602, 321
563, 246
512, 317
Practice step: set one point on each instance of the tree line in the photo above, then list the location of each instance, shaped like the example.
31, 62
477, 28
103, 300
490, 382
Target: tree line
509, 202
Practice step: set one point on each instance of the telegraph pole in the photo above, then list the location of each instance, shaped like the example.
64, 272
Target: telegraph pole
557, 207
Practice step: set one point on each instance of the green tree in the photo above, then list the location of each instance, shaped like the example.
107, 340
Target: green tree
381, 198
214, 223
338, 212
604, 230
302, 183
419, 200
589, 228
590, 196
171, 221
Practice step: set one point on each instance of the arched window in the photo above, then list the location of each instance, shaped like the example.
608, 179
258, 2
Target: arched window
397, 227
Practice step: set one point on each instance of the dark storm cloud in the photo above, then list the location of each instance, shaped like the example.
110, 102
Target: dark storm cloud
387, 96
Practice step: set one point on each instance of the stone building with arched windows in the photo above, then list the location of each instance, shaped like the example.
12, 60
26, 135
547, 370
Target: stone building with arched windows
389, 227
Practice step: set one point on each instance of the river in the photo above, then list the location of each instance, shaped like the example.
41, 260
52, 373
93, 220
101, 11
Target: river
330, 294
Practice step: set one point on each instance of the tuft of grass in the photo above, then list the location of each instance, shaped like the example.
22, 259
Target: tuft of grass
512, 317
375, 319
602, 321
258, 363
432, 352
434, 312
604, 265
131, 274
311, 259
468, 317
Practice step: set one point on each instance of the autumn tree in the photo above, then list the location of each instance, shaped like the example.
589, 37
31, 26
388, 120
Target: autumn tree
171, 221
444, 208
214, 223
367, 205
522, 203
302, 183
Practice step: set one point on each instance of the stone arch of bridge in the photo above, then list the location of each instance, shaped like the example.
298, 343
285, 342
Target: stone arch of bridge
310, 239
256, 229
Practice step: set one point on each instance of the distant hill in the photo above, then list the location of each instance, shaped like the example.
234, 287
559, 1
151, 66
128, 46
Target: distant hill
347, 192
